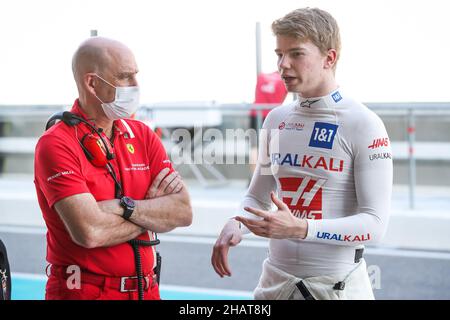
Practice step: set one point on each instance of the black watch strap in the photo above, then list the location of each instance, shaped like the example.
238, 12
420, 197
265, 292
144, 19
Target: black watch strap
128, 205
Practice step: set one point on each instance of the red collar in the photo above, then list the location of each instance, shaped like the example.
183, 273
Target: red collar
120, 126
76, 109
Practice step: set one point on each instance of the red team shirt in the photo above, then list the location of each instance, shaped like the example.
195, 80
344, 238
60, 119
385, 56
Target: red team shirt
62, 170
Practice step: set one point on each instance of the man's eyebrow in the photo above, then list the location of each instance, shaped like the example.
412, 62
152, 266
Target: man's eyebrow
292, 49
127, 74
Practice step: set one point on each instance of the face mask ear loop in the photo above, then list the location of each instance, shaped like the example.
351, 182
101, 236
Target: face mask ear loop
115, 88
99, 99
106, 81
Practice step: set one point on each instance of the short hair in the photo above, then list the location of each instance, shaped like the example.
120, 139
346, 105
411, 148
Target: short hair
312, 24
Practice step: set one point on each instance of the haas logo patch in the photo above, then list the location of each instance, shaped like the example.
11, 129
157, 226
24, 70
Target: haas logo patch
303, 196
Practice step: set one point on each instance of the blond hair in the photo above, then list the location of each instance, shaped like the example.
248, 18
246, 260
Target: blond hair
312, 24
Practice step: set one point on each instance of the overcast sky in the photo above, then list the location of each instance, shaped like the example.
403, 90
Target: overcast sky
199, 50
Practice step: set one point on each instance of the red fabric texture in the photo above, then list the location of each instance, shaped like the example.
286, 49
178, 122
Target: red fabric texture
57, 289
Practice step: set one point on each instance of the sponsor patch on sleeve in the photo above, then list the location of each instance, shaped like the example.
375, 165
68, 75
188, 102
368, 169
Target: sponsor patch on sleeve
378, 143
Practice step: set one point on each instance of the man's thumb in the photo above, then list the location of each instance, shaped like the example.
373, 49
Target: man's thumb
235, 239
280, 204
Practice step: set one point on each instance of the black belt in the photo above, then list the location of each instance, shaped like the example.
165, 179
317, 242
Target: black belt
358, 254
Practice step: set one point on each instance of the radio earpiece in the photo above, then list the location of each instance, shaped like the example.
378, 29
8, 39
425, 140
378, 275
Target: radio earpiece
95, 144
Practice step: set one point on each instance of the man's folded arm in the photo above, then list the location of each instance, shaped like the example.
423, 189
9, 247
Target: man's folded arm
163, 214
94, 224
90, 226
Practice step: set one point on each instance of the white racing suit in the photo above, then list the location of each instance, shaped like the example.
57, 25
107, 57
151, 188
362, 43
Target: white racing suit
275, 284
329, 159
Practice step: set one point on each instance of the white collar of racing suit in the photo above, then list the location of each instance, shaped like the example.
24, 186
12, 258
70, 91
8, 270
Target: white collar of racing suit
331, 99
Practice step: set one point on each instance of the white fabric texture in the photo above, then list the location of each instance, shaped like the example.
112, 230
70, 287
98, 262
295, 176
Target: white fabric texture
275, 284
330, 160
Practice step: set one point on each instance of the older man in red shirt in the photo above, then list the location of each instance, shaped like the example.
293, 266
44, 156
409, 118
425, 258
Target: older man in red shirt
94, 211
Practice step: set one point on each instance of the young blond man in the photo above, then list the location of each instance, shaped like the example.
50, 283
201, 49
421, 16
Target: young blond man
325, 162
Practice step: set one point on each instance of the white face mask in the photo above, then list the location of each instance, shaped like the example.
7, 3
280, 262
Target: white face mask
125, 103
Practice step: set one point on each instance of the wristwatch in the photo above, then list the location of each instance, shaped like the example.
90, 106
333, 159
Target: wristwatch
128, 205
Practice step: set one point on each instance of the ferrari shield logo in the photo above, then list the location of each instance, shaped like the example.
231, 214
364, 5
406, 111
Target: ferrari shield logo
130, 147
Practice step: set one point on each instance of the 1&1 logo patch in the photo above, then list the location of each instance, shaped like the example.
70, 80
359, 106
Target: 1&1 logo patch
323, 135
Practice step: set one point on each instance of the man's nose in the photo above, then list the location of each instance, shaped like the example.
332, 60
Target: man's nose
284, 63
134, 82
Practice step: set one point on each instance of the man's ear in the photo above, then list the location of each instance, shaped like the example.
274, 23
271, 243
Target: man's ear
331, 58
90, 82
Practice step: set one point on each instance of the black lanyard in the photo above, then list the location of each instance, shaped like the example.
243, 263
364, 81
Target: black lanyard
118, 191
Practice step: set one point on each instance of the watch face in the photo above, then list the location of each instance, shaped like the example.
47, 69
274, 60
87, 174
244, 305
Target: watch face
129, 202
